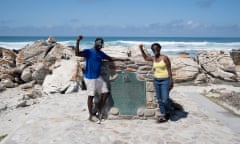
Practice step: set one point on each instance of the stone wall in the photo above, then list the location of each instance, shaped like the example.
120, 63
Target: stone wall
143, 71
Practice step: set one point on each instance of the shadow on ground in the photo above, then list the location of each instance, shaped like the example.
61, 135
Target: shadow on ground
177, 111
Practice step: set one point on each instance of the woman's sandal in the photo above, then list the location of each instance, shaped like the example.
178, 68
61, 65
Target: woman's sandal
161, 118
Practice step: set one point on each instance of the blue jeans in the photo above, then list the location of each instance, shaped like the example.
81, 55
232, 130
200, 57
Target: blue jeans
162, 90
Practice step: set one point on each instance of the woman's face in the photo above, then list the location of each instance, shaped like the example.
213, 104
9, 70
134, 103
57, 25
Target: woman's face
156, 50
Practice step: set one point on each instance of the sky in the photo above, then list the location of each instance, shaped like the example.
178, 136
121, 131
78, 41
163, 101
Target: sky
167, 18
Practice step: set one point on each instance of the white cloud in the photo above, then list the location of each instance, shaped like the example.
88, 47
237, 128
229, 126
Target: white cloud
173, 28
192, 25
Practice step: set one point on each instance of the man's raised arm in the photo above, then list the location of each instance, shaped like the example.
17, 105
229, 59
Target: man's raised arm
77, 52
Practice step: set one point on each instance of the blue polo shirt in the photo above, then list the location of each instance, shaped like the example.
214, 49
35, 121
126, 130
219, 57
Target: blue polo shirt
93, 62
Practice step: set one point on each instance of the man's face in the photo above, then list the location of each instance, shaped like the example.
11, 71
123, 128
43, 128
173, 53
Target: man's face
99, 44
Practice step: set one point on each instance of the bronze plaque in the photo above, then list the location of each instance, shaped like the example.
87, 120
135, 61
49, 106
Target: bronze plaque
128, 93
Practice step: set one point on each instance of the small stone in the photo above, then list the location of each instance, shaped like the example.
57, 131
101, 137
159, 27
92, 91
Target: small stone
114, 111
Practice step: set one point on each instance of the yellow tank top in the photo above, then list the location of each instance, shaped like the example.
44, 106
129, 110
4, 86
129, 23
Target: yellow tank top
160, 69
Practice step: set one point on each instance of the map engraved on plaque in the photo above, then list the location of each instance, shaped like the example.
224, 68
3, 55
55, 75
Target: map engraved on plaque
128, 93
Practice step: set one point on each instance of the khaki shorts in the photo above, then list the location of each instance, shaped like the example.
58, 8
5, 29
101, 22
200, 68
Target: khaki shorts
94, 86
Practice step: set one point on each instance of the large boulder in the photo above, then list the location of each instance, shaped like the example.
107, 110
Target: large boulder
44, 51
235, 54
184, 68
41, 70
217, 64
63, 77
35, 52
26, 75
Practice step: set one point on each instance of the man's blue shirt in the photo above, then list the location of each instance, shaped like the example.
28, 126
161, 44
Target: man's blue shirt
93, 62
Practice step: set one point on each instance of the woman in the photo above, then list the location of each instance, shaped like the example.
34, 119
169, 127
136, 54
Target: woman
163, 81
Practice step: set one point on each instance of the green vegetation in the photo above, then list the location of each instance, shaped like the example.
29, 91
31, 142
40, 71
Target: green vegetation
3, 136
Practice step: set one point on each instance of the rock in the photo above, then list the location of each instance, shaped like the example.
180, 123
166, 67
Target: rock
51, 40
184, 55
22, 104
235, 54
27, 74
201, 79
37, 91
35, 52
58, 51
9, 56
5, 64
28, 85
40, 73
218, 64
2, 87
114, 111
140, 111
60, 79
20, 58
7, 83
135, 52
151, 105
5, 74
149, 112
184, 68
116, 51
73, 87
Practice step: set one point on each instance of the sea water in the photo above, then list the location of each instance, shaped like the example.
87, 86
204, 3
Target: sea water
170, 45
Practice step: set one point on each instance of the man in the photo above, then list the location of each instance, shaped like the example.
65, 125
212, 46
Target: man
92, 77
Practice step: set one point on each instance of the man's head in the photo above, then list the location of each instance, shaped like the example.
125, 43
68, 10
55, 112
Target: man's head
99, 43
156, 48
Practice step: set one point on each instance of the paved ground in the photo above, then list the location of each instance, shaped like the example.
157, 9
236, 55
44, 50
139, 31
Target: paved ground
62, 119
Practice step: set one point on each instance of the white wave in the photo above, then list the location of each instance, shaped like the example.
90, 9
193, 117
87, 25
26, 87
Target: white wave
129, 42
182, 46
14, 45
67, 42
83, 45
167, 46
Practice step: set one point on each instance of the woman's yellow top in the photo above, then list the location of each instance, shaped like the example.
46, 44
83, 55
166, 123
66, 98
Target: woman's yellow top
160, 69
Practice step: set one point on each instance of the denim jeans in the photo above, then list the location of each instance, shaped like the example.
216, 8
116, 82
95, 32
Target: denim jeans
162, 91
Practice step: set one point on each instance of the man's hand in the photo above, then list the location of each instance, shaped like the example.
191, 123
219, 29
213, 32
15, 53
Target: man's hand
79, 38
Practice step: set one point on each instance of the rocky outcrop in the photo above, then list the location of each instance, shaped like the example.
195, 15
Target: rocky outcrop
227, 98
31, 63
36, 61
217, 64
49, 67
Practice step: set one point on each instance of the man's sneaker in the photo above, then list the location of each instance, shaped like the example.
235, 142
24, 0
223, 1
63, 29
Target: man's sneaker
98, 121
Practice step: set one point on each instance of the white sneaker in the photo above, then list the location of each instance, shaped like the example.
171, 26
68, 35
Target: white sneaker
98, 121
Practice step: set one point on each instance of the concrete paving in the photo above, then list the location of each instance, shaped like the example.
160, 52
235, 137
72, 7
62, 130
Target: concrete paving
63, 119
227, 118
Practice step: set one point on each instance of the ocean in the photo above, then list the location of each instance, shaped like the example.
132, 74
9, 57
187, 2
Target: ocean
170, 45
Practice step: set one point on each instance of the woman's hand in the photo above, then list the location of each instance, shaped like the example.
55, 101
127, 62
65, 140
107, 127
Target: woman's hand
171, 85
141, 46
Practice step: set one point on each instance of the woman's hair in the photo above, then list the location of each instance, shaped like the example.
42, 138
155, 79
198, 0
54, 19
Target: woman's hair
156, 44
